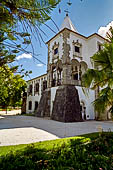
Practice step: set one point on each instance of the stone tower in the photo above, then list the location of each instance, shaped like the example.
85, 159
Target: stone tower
66, 105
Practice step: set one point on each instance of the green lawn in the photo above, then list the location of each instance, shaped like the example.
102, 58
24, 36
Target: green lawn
45, 144
87, 152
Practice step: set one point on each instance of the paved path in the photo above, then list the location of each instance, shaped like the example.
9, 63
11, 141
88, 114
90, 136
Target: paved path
27, 129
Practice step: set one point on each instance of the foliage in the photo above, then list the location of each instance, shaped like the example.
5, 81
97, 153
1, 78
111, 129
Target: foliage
11, 87
101, 77
95, 154
19, 20
45, 144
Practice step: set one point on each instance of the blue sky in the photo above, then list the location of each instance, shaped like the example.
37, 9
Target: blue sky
87, 16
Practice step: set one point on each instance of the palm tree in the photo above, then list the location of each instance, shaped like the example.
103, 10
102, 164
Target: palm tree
101, 77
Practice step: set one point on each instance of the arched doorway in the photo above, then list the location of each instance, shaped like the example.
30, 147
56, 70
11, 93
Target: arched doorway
53, 76
59, 72
83, 109
30, 105
36, 105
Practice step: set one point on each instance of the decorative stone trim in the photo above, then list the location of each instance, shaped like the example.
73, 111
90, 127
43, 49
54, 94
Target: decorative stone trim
79, 45
66, 47
55, 56
59, 64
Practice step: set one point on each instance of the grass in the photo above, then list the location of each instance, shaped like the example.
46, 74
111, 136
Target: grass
28, 114
87, 152
47, 144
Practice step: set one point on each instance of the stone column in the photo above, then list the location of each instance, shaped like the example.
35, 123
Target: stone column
49, 79
78, 73
66, 79
66, 74
33, 88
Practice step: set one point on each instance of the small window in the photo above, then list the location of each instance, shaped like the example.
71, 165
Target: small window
77, 49
30, 105
99, 47
55, 51
36, 105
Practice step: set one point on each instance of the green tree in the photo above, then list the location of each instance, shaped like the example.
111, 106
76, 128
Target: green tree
18, 20
101, 77
11, 87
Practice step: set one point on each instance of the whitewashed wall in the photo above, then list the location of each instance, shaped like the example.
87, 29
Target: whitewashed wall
36, 96
89, 48
74, 37
57, 39
88, 102
53, 93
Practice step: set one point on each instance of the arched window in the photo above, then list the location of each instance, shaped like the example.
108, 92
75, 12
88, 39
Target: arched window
75, 76
76, 69
30, 105
37, 87
30, 89
54, 76
44, 84
36, 105
83, 110
83, 67
76, 72
59, 72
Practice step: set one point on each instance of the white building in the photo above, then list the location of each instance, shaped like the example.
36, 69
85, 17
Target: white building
68, 58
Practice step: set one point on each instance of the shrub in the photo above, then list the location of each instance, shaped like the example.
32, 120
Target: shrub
78, 155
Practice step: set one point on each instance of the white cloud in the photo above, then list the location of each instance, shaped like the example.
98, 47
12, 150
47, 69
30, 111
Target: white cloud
24, 55
103, 30
39, 65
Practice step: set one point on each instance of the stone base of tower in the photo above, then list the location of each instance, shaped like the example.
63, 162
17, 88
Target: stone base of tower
44, 105
66, 106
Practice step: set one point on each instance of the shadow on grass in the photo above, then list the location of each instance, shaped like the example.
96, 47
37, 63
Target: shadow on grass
77, 154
